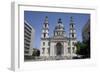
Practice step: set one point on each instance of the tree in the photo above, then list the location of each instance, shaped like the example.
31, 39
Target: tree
78, 45
83, 48
36, 52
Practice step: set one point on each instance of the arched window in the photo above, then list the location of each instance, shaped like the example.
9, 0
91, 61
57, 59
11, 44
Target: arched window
43, 43
72, 35
44, 35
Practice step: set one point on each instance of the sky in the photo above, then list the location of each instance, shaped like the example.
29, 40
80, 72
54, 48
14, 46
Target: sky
36, 20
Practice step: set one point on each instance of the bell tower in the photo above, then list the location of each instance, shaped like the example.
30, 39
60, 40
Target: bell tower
72, 33
72, 37
45, 47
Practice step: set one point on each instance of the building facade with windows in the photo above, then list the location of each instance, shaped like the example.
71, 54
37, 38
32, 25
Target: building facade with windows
59, 44
28, 39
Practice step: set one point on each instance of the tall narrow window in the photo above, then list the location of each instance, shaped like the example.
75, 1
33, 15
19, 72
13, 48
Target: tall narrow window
45, 25
72, 25
43, 43
73, 49
72, 35
48, 43
44, 35
68, 50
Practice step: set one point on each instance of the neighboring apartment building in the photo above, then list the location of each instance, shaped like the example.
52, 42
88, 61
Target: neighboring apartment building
86, 31
28, 38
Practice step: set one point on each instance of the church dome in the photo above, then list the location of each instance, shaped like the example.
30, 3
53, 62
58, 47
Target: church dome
59, 26
59, 30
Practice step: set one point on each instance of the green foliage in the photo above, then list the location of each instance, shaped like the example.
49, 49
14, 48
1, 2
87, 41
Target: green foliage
36, 53
83, 48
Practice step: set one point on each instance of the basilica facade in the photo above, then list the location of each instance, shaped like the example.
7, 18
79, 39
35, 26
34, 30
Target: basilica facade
60, 44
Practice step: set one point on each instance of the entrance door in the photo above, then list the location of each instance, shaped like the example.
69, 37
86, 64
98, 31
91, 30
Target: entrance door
59, 49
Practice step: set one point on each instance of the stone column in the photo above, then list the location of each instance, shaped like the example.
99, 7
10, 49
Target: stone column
52, 49
65, 49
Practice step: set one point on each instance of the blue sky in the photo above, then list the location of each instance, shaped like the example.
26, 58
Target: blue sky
36, 19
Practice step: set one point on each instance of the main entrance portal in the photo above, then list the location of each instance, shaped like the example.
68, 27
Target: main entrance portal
59, 49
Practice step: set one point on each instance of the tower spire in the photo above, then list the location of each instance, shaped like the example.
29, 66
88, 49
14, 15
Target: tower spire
45, 29
72, 33
72, 37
